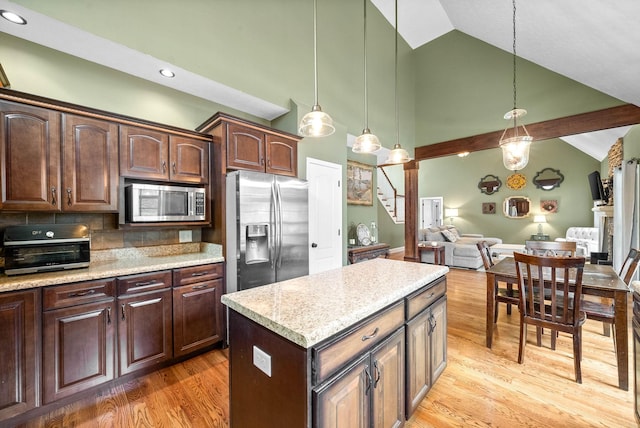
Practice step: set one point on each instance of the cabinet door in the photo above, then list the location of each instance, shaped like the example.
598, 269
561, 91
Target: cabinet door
344, 401
197, 316
388, 382
245, 148
418, 360
19, 350
144, 153
78, 348
144, 330
189, 160
30, 158
89, 165
438, 338
282, 155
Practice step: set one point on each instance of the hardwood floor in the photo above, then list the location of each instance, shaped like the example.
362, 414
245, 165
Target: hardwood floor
480, 387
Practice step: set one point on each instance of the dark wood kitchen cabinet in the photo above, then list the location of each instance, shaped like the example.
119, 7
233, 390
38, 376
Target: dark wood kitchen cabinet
30, 157
79, 337
89, 165
155, 155
197, 310
19, 351
43, 172
144, 320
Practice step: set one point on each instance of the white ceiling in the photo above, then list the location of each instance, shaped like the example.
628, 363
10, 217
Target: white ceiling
595, 42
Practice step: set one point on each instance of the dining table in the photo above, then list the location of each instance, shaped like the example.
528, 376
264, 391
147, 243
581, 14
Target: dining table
597, 280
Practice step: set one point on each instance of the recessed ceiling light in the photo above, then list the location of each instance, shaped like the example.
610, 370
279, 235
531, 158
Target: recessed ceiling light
13, 17
463, 154
167, 73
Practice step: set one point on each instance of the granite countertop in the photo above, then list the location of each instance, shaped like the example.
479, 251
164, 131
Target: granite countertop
312, 308
120, 262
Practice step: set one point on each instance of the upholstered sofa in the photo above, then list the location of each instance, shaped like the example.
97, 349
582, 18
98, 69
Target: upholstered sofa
460, 249
587, 239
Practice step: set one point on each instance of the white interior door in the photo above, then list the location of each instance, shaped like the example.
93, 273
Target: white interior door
325, 215
430, 212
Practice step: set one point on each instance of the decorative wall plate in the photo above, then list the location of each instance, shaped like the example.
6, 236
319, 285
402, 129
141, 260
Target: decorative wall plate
549, 206
516, 181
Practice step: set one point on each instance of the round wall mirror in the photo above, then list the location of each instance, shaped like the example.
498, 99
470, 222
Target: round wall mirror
489, 184
516, 207
548, 179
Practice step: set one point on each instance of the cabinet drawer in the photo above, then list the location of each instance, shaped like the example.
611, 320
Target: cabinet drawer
194, 274
63, 296
422, 298
331, 356
144, 282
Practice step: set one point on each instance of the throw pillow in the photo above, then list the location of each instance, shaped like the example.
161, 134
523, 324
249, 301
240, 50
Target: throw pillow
453, 230
449, 236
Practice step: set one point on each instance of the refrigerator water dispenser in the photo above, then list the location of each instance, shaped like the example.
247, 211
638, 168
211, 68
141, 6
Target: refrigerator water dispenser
257, 239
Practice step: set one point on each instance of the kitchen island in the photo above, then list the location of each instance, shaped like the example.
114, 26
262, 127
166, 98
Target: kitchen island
330, 348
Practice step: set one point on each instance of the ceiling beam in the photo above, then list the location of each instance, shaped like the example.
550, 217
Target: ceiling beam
624, 115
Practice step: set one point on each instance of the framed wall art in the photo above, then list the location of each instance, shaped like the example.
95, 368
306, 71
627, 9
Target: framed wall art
549, 206
359, 183
488, 208
4, 80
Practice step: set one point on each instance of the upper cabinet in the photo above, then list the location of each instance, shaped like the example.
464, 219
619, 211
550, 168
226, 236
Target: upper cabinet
89, 165
43, 172
259, 150
156, 155
30, 158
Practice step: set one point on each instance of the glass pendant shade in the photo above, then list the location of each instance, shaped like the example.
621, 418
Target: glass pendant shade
398, 155
366, 142
515, 149
316, 123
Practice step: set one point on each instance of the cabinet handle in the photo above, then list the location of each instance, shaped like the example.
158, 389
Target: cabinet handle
432, 324
200, 273
164, 166
367, 379
173, 166
145, 283
377, 379
82, 293
53, 196
370, 336
122, 309
200, 287
108, 315
261, 161
69, 196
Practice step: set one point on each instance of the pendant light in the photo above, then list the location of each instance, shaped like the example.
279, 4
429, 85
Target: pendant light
366, 142
515, 149
316, 123
398, 154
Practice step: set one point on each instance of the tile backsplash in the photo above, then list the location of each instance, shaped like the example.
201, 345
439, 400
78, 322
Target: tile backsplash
105, 234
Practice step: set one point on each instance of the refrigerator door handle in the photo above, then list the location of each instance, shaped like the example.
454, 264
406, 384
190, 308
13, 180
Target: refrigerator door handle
279, 225
273, 235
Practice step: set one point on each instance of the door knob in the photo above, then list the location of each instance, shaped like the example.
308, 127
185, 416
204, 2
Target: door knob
314, 245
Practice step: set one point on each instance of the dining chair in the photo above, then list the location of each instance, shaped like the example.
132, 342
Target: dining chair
603, 310
507, 294
553, 302
550, 248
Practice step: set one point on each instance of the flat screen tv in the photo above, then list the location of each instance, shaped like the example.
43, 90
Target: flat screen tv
597, 190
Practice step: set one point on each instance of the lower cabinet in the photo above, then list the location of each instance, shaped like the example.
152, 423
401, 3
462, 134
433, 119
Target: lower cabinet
426, 344
369, 393
78, 337
144, 327
197, 311
19, 348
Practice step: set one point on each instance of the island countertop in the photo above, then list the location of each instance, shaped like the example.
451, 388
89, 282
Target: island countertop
310, 309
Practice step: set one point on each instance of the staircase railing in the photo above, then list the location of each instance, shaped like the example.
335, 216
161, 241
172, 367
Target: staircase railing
394, 211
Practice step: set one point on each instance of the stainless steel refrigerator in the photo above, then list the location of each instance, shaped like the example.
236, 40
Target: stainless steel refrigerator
267, 229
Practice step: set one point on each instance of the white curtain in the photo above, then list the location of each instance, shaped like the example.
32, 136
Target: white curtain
625, 211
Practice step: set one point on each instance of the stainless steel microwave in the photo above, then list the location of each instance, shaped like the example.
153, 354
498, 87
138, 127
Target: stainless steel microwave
155, 203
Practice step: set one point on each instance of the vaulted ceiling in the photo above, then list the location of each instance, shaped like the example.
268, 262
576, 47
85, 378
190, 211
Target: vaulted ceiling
594, 42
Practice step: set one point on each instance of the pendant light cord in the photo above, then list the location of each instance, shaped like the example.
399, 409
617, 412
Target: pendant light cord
514, 69
315, 50
396, 82
366, 108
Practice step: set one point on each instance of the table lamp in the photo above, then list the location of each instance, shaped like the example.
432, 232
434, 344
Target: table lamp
540, 219
451, 213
